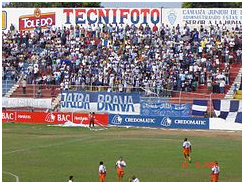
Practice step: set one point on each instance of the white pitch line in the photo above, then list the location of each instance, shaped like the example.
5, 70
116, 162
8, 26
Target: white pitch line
16, 177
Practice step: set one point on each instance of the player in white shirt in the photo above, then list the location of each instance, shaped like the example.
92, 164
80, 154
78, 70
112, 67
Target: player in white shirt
120, 164
134, 179
102, 172
187, 149
215, 172
71, 179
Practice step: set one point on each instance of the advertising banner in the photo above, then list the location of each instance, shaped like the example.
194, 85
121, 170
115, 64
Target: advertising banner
159, 122
165, 109
101, 102
29, 22
26, 102
129, 16
51, 118
194, 17
29, 18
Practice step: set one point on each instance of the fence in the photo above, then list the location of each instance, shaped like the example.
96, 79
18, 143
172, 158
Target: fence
151, 95
38, 90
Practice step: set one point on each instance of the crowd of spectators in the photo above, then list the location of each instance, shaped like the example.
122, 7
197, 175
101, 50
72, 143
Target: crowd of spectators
125, 58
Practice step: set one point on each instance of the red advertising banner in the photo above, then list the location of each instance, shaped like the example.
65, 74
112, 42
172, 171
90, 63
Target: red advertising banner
29, 22
100, 119
51, 118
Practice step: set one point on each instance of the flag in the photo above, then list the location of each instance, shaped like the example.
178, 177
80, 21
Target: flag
230, 110
199, 107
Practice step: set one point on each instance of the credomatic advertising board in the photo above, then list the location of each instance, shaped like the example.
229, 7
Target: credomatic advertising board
159, 122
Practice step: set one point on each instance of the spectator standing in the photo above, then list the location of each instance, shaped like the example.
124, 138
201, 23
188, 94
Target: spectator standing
24, 83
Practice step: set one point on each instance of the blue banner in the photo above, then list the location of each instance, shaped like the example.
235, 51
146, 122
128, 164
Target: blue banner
159, 122
165, 109
101, 102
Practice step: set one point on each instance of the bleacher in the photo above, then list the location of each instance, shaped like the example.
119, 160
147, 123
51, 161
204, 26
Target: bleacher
7, 85
32, 91
203, 93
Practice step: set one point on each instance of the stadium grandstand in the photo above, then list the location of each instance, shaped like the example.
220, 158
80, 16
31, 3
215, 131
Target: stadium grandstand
177, 64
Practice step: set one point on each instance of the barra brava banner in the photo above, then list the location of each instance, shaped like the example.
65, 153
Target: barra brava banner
101, 102
165, 109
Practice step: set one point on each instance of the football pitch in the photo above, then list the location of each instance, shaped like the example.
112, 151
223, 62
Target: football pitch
40, 153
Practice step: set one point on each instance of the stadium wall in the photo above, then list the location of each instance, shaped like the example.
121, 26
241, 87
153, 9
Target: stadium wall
221, 124
120, 120
29, 18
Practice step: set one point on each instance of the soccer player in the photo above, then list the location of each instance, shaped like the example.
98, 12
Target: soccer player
102, 172
134, 179
215, 172
120, 164
71, 179
187, 150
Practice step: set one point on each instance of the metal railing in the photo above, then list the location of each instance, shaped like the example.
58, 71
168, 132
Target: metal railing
152, 95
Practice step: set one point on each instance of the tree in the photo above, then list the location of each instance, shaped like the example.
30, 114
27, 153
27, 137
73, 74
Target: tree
50, 4
211, 5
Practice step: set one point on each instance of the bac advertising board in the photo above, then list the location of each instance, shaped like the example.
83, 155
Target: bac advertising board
101, 102
51, 118
159, 122
29, 18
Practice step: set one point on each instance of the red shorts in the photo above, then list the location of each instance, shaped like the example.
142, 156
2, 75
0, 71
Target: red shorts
120, 172
186, 151
214, 177
102, 177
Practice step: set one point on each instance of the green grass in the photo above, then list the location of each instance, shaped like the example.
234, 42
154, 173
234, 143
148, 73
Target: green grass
38, 153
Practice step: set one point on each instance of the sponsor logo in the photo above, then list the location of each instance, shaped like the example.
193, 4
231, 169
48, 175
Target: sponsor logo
29, 22
140, 120
23, 116
50, 118
4, 20
172, 16
8, 116
117, 120
190, 122
81, 119
166, 122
